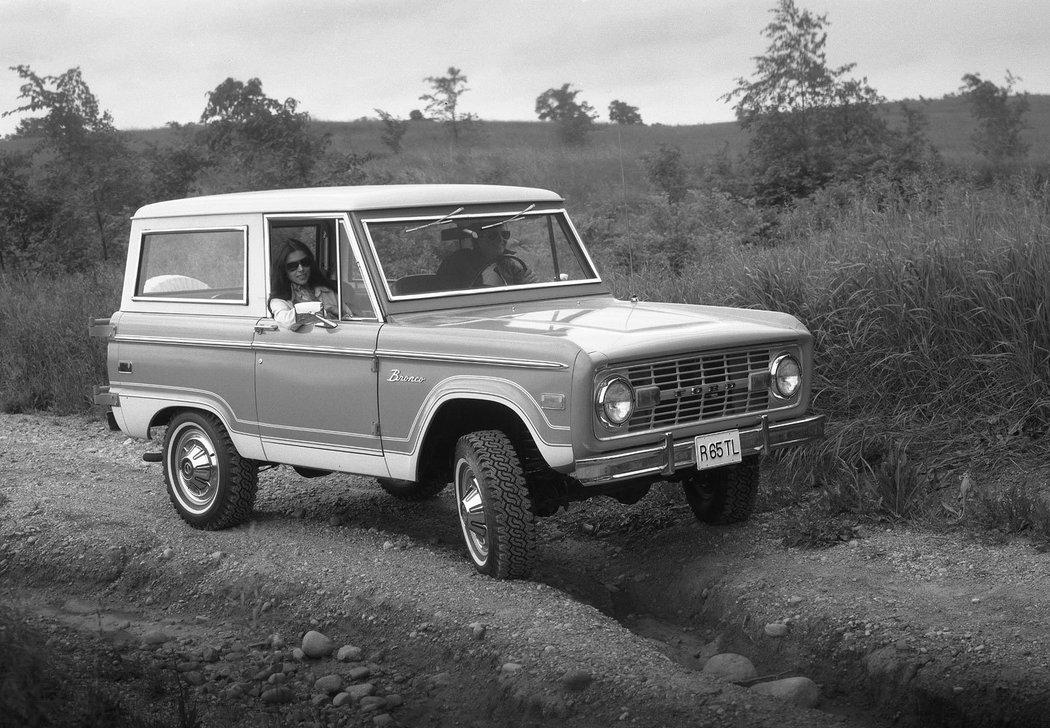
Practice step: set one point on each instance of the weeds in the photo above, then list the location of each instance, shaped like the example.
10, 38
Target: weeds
48, 362
1016, 509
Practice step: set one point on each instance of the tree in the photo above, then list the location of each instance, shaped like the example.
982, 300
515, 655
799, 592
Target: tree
999, 122
621, 112
574, 118
393, 130
260, 141
91, 180
443, 103
809, 123
665, 170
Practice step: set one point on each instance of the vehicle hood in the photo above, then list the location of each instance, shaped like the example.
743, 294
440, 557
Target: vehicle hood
621, 329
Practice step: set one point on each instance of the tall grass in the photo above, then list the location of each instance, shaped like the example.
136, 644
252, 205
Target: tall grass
47, 360
931, 324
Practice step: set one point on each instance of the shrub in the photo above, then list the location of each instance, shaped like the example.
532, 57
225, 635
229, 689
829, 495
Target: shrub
48, 361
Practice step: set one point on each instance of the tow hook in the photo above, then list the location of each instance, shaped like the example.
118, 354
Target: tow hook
152, 457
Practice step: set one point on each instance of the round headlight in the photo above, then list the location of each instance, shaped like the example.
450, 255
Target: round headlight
615, 401
786, 376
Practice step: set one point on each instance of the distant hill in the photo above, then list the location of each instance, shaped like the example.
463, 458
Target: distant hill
950, 128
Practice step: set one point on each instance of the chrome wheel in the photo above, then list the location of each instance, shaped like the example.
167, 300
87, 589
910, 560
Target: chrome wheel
196, 481
496, 513
472, 513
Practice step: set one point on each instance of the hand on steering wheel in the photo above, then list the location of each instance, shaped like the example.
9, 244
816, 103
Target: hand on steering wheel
510, 269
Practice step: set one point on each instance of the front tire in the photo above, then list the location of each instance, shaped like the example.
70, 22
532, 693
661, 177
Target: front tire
209, 483
495, 508
723, 495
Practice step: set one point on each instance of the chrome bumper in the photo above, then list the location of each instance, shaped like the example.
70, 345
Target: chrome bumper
666, 458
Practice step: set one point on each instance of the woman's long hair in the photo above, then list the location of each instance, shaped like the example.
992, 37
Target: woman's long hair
280, 285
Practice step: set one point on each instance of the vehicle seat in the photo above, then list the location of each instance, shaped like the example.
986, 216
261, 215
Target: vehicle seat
419, 283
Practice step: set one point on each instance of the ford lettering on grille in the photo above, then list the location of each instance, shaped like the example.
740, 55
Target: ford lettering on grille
699, 388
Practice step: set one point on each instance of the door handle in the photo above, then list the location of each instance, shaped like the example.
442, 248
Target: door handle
263, 328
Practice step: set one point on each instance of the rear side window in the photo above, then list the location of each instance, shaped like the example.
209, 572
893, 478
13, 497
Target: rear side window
193, 265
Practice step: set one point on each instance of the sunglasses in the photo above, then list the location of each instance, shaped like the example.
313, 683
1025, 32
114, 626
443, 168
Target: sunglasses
301, 263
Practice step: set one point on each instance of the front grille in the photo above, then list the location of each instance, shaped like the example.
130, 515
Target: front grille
703, 387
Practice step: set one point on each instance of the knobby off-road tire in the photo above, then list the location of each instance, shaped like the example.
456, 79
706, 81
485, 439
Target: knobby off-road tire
723, 495
495, 508
209, 483
408, 490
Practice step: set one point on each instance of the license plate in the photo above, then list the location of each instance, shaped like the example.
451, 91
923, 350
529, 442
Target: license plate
717, 449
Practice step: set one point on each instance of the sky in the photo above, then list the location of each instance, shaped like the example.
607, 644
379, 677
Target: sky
150, 62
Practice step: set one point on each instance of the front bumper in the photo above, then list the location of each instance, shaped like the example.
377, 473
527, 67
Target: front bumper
670, 455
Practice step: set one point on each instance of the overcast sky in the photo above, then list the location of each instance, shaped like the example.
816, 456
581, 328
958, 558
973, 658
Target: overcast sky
150, 62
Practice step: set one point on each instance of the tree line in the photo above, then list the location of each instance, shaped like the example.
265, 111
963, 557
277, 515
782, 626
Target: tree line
809, 126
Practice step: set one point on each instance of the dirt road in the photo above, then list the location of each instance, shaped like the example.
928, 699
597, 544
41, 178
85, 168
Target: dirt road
895, 626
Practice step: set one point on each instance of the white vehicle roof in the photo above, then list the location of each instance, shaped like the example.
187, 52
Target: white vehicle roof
329, 199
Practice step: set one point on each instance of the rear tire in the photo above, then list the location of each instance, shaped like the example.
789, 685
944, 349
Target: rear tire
723, 495
495, 508
209, 483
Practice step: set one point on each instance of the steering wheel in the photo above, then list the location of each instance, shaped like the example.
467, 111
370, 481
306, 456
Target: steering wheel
494, 266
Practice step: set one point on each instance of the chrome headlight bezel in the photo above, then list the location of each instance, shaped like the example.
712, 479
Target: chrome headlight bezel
614, 401
785, 376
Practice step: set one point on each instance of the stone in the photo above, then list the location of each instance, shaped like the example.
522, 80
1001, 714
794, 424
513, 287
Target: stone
359, 673
362, 690
510, 668
799, 691
329, 684
263, 674
349, 653
317, 645
730, 667
278, 695
342, 699
776, 629
383, 720
372, 703
439, 680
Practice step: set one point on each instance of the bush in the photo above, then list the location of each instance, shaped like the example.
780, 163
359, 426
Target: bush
48, 361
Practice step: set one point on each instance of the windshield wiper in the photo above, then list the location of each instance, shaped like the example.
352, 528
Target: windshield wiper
446, 218
513, 218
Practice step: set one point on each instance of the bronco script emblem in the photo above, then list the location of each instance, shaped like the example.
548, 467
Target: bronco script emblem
397, 376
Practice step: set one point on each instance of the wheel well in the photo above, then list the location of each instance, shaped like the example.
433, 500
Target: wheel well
457, 418
162, 417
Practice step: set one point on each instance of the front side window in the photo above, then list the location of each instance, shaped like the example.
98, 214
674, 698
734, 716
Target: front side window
193, 265
313, 261
444, 253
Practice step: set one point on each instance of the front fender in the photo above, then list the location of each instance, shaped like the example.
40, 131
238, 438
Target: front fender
553, 441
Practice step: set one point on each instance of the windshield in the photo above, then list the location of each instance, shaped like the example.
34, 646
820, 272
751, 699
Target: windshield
446, 252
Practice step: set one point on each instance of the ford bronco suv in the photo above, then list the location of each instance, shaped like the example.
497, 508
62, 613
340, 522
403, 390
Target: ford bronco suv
474, 344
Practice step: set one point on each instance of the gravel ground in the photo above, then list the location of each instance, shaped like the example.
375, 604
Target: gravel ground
626, 608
